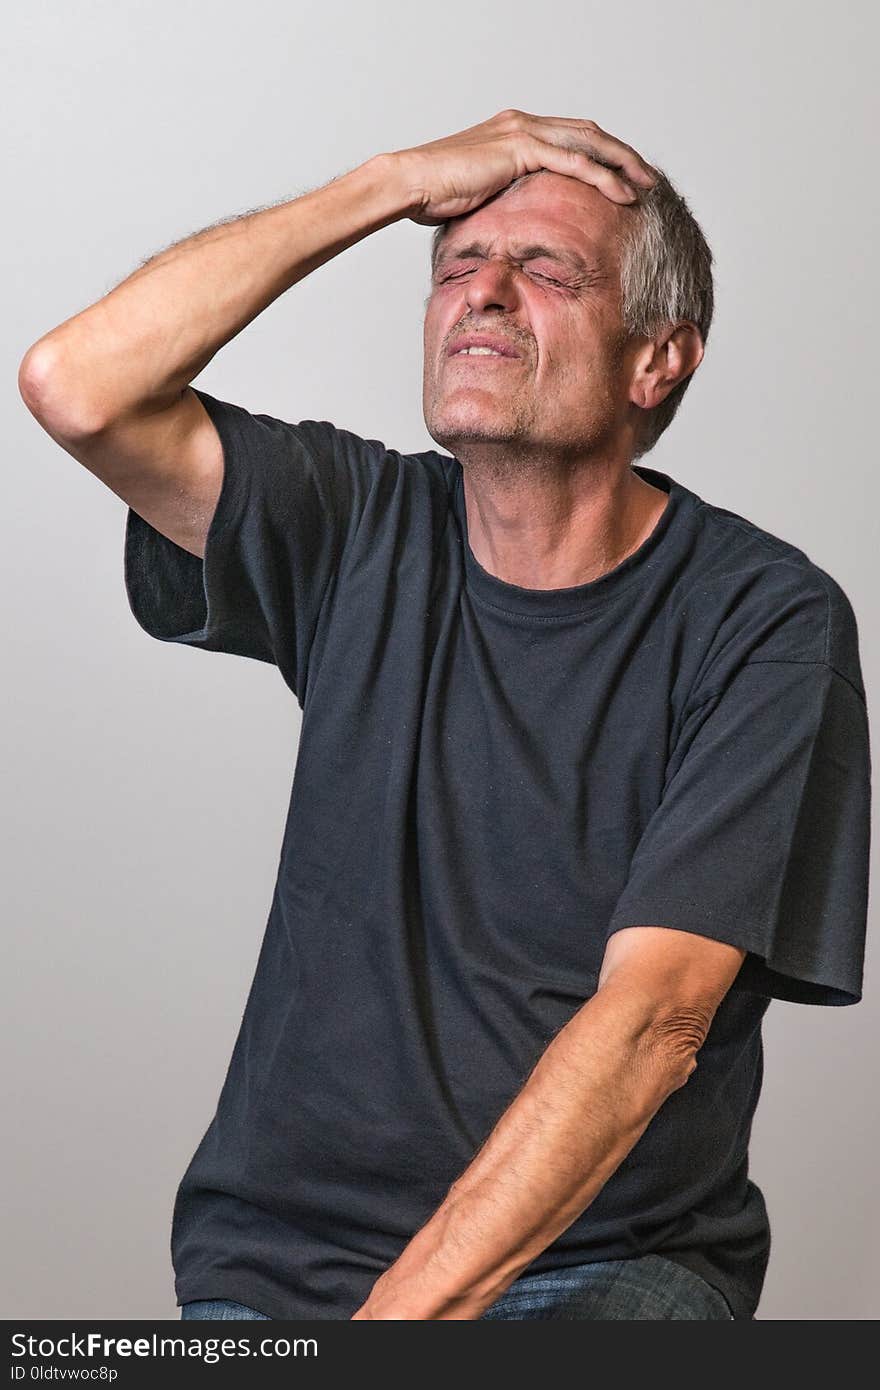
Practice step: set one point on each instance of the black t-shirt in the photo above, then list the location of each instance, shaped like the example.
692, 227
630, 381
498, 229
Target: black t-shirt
490, 781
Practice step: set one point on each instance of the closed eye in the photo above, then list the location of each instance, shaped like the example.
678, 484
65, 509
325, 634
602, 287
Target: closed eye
458, 274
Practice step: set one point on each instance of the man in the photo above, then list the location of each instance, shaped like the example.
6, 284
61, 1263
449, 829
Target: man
583, 777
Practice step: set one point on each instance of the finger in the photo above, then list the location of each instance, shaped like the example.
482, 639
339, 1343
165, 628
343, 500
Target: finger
576, 163
616, 151
622, 156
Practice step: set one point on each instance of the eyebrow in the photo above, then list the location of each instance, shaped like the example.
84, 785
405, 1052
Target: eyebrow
522, 253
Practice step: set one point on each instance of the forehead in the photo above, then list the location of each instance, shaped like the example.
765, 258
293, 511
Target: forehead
547, 210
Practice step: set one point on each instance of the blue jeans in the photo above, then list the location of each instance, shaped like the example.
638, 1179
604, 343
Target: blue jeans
649, 1286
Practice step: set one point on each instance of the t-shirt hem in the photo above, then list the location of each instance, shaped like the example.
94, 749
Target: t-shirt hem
262, 1297
785, 977
174, 595
740, 1300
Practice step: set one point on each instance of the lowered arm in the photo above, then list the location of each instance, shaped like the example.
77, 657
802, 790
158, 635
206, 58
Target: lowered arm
591, 1095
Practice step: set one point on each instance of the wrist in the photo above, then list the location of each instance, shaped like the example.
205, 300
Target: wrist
397, 174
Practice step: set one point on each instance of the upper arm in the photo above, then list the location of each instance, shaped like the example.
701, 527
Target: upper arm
299, 504
167, 464
761, 839
682, 976
240, 525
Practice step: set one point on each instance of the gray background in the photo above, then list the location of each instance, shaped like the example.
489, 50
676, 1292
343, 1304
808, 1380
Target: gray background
146, 783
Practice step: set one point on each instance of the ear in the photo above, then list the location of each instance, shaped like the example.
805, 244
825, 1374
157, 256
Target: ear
662, 362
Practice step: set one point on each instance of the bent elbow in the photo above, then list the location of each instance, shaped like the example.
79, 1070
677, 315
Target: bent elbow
676, 1038
61, 411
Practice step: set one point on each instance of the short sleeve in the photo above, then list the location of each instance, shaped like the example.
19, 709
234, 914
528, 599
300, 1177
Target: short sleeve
761, 838
291, 495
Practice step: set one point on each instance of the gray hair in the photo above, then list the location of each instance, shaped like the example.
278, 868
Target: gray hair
665, 279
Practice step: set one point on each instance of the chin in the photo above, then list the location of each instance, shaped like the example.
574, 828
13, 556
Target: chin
472, 420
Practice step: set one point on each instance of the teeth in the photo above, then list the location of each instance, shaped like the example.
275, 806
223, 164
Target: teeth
479, 351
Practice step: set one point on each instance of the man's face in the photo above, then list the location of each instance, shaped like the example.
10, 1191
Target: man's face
566, 393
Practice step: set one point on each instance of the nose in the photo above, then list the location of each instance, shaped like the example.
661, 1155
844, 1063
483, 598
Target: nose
492, 286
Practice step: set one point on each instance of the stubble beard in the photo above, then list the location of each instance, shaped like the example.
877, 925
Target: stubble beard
506, 452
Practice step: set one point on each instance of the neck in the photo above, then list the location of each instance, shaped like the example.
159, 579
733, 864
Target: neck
559, 529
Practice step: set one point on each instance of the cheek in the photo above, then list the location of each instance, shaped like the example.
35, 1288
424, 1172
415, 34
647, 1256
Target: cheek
568, 362
574, 350
563, 343
438, 324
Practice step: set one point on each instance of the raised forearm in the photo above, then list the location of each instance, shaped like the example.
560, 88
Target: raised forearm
139, 346
588, 1100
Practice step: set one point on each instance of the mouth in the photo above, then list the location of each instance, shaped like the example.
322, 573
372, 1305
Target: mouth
481, 358
487, 347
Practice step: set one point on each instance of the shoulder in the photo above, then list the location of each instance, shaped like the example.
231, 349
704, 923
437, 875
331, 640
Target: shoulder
763, 599
263, 435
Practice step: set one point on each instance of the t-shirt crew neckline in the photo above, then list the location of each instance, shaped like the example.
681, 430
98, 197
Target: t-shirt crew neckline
577, 598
